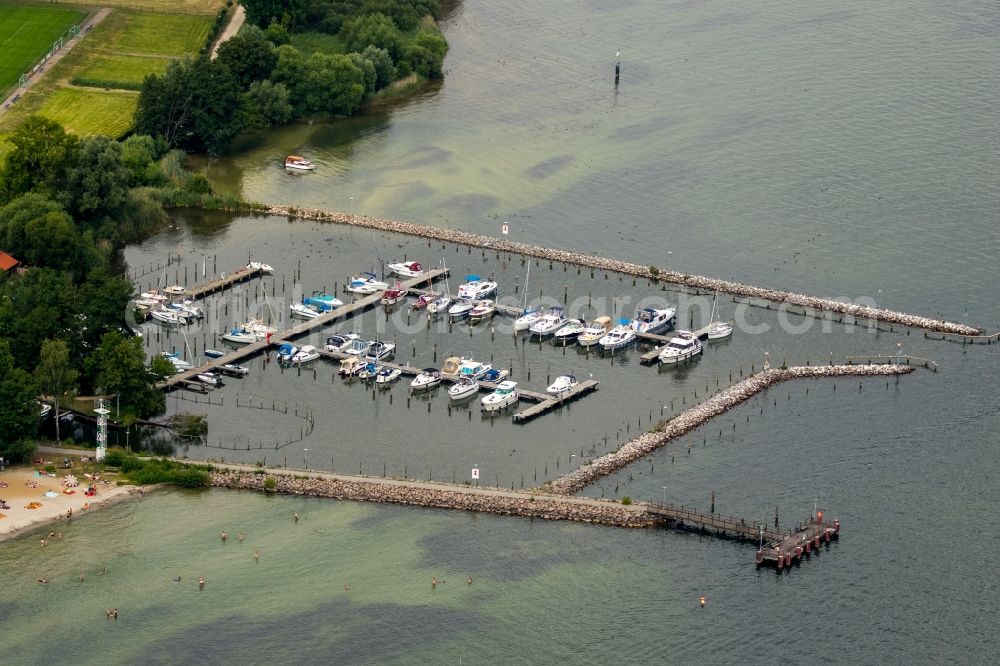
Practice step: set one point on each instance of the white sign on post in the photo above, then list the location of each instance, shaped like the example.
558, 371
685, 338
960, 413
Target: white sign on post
475, 472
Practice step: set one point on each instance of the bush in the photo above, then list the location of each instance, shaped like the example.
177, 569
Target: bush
270, 483
115, 457
626, 500
51, 469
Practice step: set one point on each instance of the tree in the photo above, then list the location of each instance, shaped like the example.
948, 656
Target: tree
19, 414
367, 68
385, 70
262, 12
37, 231
97, 185
266, 104
118, 368
39, 305
42, 152
54, 374
372, 29
321, 83
139, 155
249, 56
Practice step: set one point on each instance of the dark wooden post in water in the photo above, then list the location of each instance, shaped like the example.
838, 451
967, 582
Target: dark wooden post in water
618, 65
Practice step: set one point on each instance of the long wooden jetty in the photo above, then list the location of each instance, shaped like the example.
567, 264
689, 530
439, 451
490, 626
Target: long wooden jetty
346, 310
207, 288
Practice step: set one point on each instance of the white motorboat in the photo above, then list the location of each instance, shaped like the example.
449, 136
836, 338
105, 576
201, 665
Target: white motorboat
718, 330
234, 370
340, 341
303, 311
464, 388
427, 379
527, 319
168, 317
653, 320
619, 337
351, 367
562, 384
682, 347
460, 309
475, 287
214, 353
569, 332
483, 309
298, 163
387, 375
439, 304
366, 283
423, 300
210, 379
307, 354
394, 295
357, 347
380, 351
153, 296
260, 266
505, 395
452, 366
495, 375
474, 369
406, 269
241, 336
286, 353
187, 309
322, 301
549, 323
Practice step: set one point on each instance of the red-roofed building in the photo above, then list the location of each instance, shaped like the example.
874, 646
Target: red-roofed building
7, 262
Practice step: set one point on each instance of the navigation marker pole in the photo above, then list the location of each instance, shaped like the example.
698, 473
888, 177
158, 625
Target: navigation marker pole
618, 65
102, 430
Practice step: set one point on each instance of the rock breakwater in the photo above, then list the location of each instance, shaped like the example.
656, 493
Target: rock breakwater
439, 496
859, 312
691, 418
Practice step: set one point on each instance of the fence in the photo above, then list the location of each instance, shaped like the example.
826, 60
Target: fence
39, 66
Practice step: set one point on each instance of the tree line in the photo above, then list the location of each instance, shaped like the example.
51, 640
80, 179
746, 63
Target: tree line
260, 79
67, 206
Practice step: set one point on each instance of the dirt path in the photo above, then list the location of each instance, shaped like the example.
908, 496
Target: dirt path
235, 23
90, 23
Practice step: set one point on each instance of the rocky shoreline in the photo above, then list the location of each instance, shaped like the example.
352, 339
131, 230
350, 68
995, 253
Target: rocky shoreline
690, 419
861, 312
499, 502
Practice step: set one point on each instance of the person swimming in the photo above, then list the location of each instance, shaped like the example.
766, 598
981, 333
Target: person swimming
177, 579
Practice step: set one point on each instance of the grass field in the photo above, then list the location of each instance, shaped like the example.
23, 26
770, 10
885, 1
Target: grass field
162, 34
86, 111
122, 68
26, 34
208, 7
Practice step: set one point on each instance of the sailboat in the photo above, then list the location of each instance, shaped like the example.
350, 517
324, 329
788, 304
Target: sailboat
717, 330
528, 316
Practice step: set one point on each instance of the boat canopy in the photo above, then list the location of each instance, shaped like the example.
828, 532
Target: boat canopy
473, 278
295, 158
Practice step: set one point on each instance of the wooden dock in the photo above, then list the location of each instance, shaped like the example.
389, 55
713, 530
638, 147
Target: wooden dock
346, 310
779, 548
239, 275
553, 402
653, 354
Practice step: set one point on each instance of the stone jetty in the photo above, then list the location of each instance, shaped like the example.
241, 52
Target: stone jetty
859, 312
434, 495
690, 419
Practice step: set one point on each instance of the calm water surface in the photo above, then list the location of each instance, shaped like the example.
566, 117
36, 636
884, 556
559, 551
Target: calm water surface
842, 149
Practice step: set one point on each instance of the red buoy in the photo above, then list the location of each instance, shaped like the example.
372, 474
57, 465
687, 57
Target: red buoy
809, 546
759, 558
816, 541
781, 561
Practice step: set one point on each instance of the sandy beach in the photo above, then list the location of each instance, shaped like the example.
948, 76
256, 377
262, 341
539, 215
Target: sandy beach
24, 486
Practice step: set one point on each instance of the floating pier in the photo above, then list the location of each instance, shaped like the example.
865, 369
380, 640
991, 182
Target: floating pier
783, 551
240, 275
654, 354
554, 402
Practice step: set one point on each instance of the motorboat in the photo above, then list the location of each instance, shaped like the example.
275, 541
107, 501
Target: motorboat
476, 287
406, 269
298, 163
549, 323
357, 347
306, 354
595, 330
366, 283
387, 375
214, 353
562, 384
682, 347
653, 320
153, 296
483, 309
260, 266
168, 317
452, 366
439, 304
175, 290
393, 295
234, 370
427, 379
423, 300
569, 331
464, 388
461, 308
340, 341
505, 395
322, 301
210, 378
718, 330
184, 315
352, 366
619, 337
286, 352
303, 311
495, 375
527, 319
241, 336
368, 372
380, 351
474, 369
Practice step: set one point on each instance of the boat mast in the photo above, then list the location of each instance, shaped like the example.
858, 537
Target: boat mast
714, 303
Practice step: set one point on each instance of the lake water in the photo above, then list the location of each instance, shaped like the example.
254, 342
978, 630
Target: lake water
841, 149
